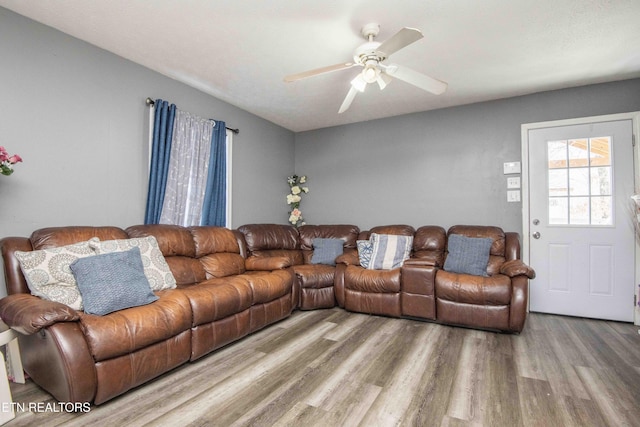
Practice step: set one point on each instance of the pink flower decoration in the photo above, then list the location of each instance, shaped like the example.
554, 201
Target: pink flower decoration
6, 161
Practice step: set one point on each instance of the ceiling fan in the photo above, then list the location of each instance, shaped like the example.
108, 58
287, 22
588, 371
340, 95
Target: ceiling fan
371, 56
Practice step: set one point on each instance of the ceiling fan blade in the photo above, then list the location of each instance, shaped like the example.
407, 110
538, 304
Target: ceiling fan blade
310, 73
348, 100
383, 80
417, 79
359, 83
401, 39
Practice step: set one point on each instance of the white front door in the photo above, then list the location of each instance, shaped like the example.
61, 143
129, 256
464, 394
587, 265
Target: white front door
581, 237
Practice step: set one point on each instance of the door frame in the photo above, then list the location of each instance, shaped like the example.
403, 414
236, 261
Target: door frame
526, 215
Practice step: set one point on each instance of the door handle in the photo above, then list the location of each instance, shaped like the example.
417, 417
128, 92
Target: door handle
536, 235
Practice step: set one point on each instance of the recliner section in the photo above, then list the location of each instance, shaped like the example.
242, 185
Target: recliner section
217, 301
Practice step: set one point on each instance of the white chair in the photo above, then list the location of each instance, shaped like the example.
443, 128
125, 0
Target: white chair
9, 338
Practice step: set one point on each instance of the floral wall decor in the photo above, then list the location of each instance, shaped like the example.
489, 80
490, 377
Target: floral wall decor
7, 161
294, 198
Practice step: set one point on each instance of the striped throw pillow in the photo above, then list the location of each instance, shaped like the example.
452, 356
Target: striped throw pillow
389, 251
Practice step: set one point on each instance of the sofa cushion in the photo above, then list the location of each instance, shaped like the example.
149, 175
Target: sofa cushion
347, 233
213, 240
371, 281
365, 248
223, 264
473, 290
286, 256
156, 268
268, 286
264, 237
389, 251
314, 276
112, 282
217, 299
395, 229
173, 240
468, 255
429, 243
54, 237
125, 331
48, 274
325, 251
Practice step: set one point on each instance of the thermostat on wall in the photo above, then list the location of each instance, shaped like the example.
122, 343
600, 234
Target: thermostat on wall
511, 167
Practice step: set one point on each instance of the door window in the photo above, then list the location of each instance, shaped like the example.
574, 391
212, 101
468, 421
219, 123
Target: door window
579, 182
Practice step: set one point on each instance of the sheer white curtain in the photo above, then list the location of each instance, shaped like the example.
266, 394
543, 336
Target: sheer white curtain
188, 168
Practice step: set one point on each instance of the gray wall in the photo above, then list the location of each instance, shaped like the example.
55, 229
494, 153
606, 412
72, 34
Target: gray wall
77, 116
441, 167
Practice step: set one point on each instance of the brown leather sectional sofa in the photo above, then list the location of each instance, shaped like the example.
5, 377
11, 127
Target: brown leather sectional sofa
231, 283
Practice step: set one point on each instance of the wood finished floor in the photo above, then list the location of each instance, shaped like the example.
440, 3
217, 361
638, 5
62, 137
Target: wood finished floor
334, 368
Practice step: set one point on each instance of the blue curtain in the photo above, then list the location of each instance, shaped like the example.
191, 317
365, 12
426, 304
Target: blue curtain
160, 153
214, 208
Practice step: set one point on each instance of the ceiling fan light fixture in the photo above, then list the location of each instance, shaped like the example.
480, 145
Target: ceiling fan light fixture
371, 72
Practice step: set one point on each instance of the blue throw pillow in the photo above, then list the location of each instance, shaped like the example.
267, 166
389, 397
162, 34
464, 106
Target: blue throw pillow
365, 247
389, 251
468, 255
325, 251
112, 282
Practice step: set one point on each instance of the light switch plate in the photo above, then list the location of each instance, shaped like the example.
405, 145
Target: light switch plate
513, 182
513, 196
511, 167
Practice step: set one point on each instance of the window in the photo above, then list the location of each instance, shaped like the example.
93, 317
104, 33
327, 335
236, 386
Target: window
579, 182
189, 168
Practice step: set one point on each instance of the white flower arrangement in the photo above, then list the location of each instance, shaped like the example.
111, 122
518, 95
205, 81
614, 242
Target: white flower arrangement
294, 198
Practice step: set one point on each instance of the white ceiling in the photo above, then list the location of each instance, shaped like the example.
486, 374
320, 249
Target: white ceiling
239, 51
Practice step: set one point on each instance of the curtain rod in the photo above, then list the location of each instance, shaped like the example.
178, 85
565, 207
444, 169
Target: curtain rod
150, 102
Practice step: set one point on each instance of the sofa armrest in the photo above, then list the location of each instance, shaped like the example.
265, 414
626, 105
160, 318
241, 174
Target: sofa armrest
417, 288
519, 303
267, 263
350, 258
28, 314
515, 268
418, 278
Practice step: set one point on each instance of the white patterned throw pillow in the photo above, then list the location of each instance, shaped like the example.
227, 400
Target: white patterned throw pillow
48, 274
155, 266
